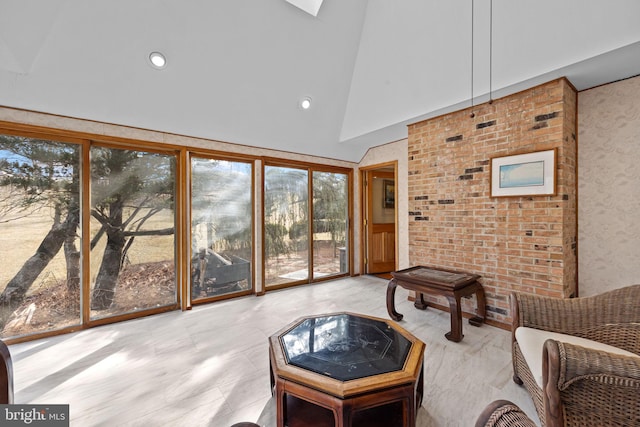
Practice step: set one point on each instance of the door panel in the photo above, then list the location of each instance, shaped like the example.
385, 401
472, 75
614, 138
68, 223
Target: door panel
380, 223
383, 248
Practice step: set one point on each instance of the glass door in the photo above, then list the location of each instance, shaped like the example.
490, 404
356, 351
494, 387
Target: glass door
330, 217
221, 228
286, 225
132, 258
40, 278
305, 239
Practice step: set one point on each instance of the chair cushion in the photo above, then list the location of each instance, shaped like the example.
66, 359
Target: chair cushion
531, 342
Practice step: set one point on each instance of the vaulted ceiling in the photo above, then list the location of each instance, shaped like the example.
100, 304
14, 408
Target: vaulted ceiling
237, 69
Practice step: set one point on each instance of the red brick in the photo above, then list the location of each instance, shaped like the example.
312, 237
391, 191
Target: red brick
521, 243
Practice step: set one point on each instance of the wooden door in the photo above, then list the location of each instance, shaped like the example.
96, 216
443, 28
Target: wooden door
380, 223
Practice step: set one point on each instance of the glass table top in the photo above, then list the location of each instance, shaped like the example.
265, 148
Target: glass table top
345, 346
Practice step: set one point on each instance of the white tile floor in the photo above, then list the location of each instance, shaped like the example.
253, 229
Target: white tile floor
209, 366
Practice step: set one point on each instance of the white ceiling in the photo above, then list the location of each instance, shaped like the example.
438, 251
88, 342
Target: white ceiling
237, 69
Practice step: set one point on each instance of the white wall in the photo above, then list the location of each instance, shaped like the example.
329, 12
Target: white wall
609, 187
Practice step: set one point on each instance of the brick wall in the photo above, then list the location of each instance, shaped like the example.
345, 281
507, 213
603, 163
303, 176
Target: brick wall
516, 243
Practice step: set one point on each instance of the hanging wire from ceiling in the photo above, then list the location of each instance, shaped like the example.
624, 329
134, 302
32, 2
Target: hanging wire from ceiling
472, 7
490, 51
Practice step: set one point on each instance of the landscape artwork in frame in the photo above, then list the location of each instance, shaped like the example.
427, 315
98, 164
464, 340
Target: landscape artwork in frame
389, 196
530, 174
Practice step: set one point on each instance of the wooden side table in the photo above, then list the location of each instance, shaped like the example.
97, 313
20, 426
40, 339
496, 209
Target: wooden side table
350, 365
450, 283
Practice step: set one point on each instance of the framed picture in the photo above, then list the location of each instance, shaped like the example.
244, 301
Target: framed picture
530, 174
389, 196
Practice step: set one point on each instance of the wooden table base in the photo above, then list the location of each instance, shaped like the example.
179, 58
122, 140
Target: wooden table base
399, 404
301, 413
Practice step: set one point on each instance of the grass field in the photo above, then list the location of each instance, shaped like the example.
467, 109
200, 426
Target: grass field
147, 280
21, 238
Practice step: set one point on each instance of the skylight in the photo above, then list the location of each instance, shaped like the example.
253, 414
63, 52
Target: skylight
310, 6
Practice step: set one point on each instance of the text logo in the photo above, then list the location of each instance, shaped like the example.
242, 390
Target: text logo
34, 415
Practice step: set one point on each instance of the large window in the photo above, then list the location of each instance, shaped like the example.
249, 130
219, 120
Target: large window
221, 231
40, 235
132, 231
304, 238
93, 232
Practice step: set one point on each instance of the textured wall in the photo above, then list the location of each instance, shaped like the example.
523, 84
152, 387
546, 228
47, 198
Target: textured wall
514, 243
394, 151
609, 186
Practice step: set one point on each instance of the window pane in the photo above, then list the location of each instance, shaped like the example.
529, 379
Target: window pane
221, 217
132, 231
286, 225
40, 243
330, 213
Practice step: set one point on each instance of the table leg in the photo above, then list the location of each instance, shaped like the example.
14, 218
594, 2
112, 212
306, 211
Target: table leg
410, 411
419, 389
281, 404
343, 417
272, 378
420, 303
482, 307
391, 301
455, 334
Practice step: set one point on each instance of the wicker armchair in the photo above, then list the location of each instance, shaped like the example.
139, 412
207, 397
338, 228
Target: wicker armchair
503, 413
590, 375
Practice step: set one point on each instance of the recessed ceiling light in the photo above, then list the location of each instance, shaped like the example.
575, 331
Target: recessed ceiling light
305, 103
158, 60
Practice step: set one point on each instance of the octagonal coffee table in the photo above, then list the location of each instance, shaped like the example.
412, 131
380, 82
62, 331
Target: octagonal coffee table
348, 364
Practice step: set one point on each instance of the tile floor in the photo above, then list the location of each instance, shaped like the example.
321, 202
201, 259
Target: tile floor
209, 366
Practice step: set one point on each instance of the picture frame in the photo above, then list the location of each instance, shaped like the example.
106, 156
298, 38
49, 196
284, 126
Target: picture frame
528, 174
389, 194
